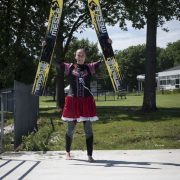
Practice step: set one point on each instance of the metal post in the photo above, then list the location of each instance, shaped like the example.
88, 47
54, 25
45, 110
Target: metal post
97, 94
2, 124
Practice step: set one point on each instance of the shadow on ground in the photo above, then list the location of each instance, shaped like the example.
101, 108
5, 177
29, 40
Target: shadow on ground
20, 164
129, 164
111, 113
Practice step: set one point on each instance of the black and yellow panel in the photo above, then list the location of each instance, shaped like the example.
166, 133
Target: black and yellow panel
48, 48
102, 34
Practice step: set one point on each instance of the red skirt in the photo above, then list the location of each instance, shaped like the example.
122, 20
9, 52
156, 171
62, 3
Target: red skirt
80, 109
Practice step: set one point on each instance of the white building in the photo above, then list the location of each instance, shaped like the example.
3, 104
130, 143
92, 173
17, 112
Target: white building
167, 80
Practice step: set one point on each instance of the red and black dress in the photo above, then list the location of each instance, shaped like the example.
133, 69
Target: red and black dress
80, 104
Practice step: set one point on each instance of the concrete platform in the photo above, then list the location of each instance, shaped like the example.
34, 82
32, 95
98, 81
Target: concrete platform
109, 165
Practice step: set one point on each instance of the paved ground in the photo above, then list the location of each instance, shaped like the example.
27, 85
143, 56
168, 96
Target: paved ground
109, 165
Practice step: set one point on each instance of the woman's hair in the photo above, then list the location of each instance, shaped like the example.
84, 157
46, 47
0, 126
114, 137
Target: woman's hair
81, 49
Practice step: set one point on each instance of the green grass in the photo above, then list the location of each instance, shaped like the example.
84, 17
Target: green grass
46, 101
121, 126
168, 100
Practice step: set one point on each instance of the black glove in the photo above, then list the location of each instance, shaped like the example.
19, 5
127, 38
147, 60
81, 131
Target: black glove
101, 60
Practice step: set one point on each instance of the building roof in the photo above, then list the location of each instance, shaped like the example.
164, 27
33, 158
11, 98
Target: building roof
173, 68
170, 72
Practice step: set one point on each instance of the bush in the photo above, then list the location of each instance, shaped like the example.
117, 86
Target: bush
37, 141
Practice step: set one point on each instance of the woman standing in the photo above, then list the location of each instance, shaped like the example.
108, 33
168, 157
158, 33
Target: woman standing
79, 103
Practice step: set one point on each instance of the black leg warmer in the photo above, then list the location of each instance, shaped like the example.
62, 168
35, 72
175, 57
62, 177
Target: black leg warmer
89, 145
68, 143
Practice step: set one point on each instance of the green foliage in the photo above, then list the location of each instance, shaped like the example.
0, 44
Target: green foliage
164, 61
90, 47
75, 18
173, 51
138, 11
37, 141
22, 28
169, 56
132, 63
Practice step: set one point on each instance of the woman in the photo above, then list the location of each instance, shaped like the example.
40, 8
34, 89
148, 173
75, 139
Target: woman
79, 103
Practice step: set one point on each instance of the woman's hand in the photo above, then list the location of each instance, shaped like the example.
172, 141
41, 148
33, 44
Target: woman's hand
43, 43
109, 41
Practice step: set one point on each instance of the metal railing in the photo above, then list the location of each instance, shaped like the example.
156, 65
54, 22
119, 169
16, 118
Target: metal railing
2, 124
103, 95
6, 105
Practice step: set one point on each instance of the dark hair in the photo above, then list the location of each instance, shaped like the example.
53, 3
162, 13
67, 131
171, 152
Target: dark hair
82, 49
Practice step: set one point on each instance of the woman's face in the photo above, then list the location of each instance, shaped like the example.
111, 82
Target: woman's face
80, 56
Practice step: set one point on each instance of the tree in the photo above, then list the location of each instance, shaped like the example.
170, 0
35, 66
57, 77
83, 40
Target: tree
91, 50
152, 13
22, 26
164, 60
132, 63
169, 56
173, 51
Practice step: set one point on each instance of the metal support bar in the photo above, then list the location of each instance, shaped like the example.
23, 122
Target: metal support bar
2, 124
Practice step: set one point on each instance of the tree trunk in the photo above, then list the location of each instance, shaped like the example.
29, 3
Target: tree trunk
59, 55
60, 95
149, 101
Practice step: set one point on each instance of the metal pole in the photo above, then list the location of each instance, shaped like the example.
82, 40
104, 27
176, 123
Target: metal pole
2, 124
139, 86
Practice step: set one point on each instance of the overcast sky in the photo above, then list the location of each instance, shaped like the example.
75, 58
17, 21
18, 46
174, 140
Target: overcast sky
124, 39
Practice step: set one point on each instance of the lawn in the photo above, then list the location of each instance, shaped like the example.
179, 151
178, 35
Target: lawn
121, 125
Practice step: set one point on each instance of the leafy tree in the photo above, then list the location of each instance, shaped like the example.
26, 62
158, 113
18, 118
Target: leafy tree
152, 13
169, 56
173, 50
22, 25
132, 63
90, 47
164, 61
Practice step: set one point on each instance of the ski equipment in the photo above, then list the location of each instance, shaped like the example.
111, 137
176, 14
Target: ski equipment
102, 34
48, 49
